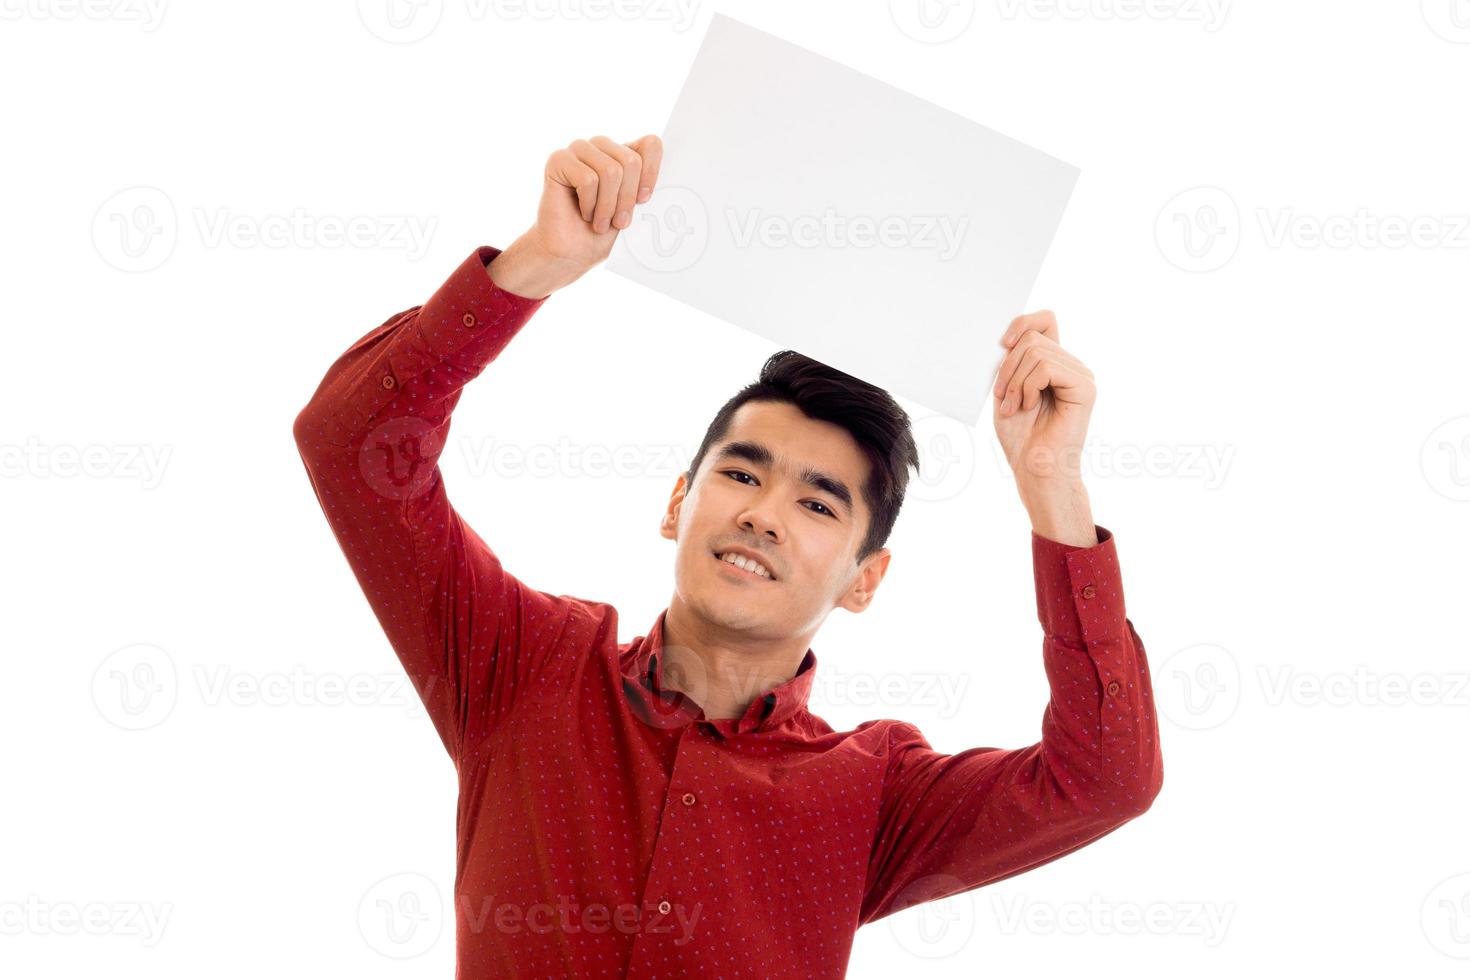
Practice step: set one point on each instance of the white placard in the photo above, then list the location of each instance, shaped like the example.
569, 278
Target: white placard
844, 218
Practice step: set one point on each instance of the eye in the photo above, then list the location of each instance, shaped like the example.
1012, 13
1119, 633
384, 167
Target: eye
825, 509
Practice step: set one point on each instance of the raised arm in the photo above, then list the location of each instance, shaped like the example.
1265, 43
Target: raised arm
950, 823
469, 634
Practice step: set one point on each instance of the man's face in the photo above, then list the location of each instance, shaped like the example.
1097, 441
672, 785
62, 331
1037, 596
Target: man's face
806, 534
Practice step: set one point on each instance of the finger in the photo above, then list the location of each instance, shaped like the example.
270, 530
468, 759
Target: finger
1043, 322
1012, 360
609, 174
1066, 384
1039, 376
651, 149
1030, 338
632, 165
1012, 390
564, 168
1037, 362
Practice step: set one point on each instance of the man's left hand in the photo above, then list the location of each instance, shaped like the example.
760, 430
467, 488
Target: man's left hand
1043, 401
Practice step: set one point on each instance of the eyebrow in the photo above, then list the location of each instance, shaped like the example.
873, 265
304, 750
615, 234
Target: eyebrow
758, 454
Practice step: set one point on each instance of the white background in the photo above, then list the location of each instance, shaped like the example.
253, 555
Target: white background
1281, 446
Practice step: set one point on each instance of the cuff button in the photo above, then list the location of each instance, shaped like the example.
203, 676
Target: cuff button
468, 319
388, 381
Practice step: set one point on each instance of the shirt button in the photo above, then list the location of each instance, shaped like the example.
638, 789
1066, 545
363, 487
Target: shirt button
388, 381
688, 799
469, 319
663, 907
1113, 687
1088, 592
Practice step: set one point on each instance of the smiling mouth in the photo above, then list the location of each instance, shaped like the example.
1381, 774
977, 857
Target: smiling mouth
742, 572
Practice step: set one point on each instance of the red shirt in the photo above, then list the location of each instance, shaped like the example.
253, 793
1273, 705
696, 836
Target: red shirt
605, 827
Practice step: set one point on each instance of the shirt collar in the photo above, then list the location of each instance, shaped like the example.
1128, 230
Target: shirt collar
774, 706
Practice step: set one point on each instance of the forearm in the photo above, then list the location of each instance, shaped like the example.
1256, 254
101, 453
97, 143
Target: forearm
523, 269
1059, 511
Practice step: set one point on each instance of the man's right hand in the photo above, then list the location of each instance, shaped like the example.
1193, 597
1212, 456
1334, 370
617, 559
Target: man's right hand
588, 194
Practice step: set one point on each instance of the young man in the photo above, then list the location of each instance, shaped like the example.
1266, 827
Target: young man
668, 806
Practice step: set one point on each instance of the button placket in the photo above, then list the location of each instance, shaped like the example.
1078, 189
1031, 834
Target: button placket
668, 872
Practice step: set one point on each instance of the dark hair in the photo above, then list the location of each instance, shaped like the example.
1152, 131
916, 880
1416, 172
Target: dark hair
880, 427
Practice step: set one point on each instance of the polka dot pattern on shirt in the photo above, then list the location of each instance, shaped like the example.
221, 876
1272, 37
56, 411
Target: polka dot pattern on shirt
605, 827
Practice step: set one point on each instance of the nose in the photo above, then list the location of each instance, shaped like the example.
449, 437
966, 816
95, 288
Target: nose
755, 521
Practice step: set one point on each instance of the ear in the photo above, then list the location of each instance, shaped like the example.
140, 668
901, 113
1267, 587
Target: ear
669, 526
861, 593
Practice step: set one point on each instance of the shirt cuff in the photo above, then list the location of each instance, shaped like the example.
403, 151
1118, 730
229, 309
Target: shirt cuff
470, 309
1079, 590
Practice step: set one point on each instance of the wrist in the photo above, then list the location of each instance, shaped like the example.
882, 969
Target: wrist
523, 269
1059, 511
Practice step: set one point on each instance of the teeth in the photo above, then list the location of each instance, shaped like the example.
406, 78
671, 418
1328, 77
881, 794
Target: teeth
745, 563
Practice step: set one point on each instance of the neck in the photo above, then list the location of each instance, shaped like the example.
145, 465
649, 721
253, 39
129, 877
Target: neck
721, 669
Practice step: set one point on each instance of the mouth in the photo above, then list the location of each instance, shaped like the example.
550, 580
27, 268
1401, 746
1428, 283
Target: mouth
740, 572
